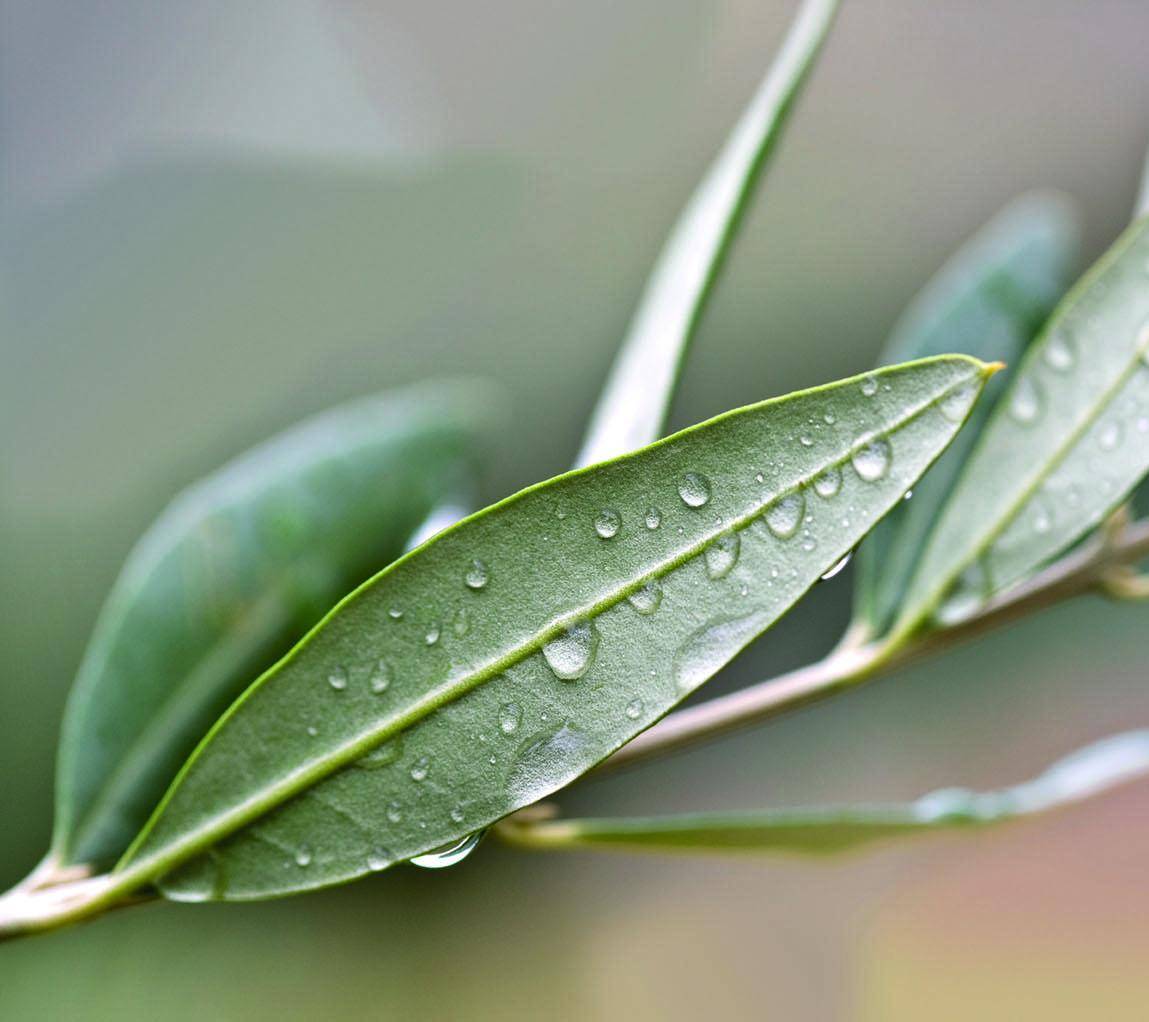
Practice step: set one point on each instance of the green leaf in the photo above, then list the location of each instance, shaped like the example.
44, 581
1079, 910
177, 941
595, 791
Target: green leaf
514, 651
988, 301
1063, 448
635, 402
233, 572
823, 830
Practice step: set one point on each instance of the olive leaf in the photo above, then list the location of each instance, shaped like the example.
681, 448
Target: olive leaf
514, 651
234, 571
1063, 448
1085, 773
635, 401
988, 301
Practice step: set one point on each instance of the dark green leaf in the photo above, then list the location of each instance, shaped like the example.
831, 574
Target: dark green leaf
824, 830
634, 404
1063, 448
988, 301
236, 569
513, 652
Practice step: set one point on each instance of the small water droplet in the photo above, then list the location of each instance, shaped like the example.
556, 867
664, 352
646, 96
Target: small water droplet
908, 495
809, 544
449, 855
420, 768
457, 814
647, 599
477, 575
1110, 436
1025, 402
653, 518
569, 656
783, 516
394, 812
872, 462
432, 635
806, 440
694, 489
869, 386
313, 731
382, 755
378, 858
395, 614
956, 404
381, 678
759, 477
303, 855
607, 523
722, 555
461, 625
839, 567
337, 679
1058, 353
829, 418
510, 717
828, 483
634, 709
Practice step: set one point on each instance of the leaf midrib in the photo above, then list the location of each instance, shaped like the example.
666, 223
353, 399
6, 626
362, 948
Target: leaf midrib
197, 839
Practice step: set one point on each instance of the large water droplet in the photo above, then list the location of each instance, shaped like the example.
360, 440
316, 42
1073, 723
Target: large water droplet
1025, 401
607, 523
828, 483
510, 717
837, 568
570, 655
784, 516
694, 489
712, 646
420, 769
381, 678
722, 555
449, 855
477, 575
1058, 353
872, 462
545, 762
646, 599
956, 404
337, 679
634, 709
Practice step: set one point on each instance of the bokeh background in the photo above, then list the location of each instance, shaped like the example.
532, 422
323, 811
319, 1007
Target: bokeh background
219, 217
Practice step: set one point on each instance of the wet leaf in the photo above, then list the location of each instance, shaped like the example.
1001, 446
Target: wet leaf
829, 829
234, 571
634, 404
1063, 448
988, 301
592, 604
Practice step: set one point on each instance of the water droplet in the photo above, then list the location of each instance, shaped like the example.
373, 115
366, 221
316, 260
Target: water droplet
303, 855
477, 575
646, 599
806, 440
448, 855
457, 814
381, 678
462, 622
634, 709
607, 523
394, 812
712, 646
872, 462
653, 518
908, 496
1042, 523
1110, 436
869, 386
829, 418
694, 489
570, 654
312, 731
837, 568
759, 477
809, 544
545, 762
1025, 402
956, 404
1058, 353
722, 555
395, 614
510, 717
382, 755
432, 635
420, 768
828, 483
783, 516
337, 679
378, 858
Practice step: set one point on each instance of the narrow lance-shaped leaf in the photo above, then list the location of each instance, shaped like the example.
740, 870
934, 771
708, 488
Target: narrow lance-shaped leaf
1063, 448
233, 572
828, 829
514, 651
634, 404
988, 301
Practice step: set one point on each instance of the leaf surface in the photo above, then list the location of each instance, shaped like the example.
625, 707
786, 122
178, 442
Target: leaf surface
635, 401
514, 651
825, 830
234, 571
988, 301
1063, 448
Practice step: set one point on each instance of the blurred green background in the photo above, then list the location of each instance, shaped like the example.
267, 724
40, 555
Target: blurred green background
219, 217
